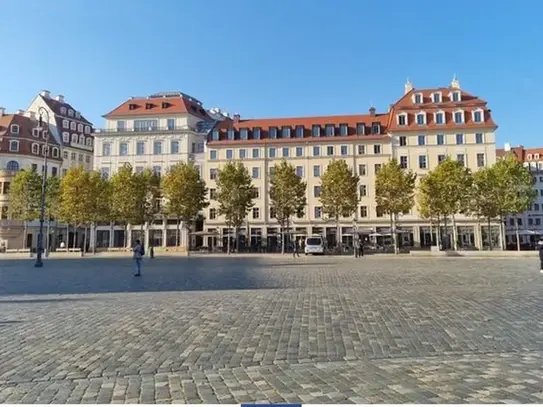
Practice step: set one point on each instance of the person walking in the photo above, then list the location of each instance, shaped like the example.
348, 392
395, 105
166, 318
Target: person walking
295, 248
540, 249
138, 253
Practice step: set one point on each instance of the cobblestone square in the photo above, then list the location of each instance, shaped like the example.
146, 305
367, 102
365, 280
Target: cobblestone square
272, 329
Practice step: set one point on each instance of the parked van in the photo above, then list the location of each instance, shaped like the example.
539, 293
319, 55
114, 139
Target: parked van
314, 245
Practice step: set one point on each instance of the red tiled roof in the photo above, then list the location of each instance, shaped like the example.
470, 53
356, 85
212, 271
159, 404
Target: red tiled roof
520, 152
154, 106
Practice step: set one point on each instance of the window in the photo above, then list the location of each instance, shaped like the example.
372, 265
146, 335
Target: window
231, 134
362, 169
256, 172
80, 158
272, 132
229, 154
14, 146
35, 148
12, 166
421, 119
215, 135
256, 153
459, 139
361, 149
14, 129
461, 159
103, 170
403, 161
360, 129
375, 128
377, 168
440, 118
73, 156
441, 158
65, 137
54, 171
272, 212
65, 155
418, 98
422, 140
256, 133
436, 97
174, 147
157, 147
82, 139
56, 153
70, 113
318, 212
285, 132
403, 141
242, 153
477, 116
212, 173
62, 110
458, 117
344, 150
286, 151
317, 191
140, 148
87, 129
123, 149
299, 151
89, 142
379, 212
244, 134
299, 131
271, 152
316, 151
300, 171
456, 96
256, 213
480, 159
316, 131
74, 138
479, 138
363, 190
66, 124
364, 211
73, 126
80, 128
330, 130
212, 213
423, 164
65, 171
330, 150
440, 139
316, 170
120, 125
213, 154
402, 119
87, 159
377, 149
343, 129
171, 124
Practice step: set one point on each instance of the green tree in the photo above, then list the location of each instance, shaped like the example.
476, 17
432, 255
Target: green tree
235, 196
100, 202
185, 195
515, 190
339, 191
429, 205
123, 194
25, 198
394, 193
147, 195
288, 196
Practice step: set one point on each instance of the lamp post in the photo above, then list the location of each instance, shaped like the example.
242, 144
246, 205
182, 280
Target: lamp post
39, 250
355, 237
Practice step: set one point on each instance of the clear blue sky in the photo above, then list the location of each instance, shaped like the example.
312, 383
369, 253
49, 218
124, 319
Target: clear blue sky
276, 57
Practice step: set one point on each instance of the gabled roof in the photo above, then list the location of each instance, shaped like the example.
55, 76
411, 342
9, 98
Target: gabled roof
55, 106
520, 152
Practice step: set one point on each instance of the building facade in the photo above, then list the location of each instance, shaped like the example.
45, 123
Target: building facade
152, 132
530, 222
419, 130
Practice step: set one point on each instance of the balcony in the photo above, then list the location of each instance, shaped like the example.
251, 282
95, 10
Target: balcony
147, 130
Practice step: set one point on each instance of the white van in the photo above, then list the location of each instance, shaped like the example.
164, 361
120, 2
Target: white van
314, 245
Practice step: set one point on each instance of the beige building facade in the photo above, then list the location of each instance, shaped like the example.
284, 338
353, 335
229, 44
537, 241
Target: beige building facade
419, 130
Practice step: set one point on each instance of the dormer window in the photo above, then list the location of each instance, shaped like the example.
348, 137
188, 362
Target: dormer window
529, 157
421, 118
360, 129
165, 105
80, 128
455, 96
256, 133
436, 97
459, 117
439, 117
299, 131
132, 106
285, 132
536, 156
66, 124
35, 148
316, 130
272, 132
231, 134
82, 140
417, 98
70, 113
77, 114
376, 128
330, 130
402, 119
66, 137
244, 134
36, 132
477, 116
62, 110
148, 106
343, 129
73, 126
215, 135
14, 129
87, 129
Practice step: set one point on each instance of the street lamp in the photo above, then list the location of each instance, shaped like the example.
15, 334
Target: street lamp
39, 250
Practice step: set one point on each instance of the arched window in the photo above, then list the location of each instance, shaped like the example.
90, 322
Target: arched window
66, 137
62, 110
87, 129
12, 166
15, 129
73, 126
89, 141
35, 148
74, 138
70, 113
80, 128
82, 139
14, 146
55, 152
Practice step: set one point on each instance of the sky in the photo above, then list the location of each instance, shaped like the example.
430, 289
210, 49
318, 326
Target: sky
276, 58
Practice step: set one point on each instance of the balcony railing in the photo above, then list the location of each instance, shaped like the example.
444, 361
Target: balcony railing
155, 129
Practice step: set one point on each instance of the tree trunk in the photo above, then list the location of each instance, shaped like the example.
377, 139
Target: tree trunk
47, 243
455, 236
282, 239
67, 238
337, 232
84, 249
446, 240
75, 237
489, 235
393, 232
228, 248
178, 233
125, 237
24, 234
111, 241
502, 233
438, 233
236, 237
517, 233
94, 237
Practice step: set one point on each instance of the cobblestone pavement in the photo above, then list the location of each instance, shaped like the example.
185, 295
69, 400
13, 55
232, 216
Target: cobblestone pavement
310, 330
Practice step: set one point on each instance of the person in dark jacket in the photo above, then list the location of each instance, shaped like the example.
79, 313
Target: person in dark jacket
540, 249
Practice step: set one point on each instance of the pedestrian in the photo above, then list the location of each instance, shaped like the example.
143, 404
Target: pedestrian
540, 249
295, 252
137, 256
360, 248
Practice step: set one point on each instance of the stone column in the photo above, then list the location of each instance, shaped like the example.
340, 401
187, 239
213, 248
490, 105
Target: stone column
416, 236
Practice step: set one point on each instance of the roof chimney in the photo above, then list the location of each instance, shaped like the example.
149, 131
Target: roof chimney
2, 111
372, 111
237, 117
60, 98
507, 147
20, 111
455, 83
408, 87
45, 93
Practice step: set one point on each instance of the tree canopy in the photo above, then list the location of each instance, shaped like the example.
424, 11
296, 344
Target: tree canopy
25, 196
